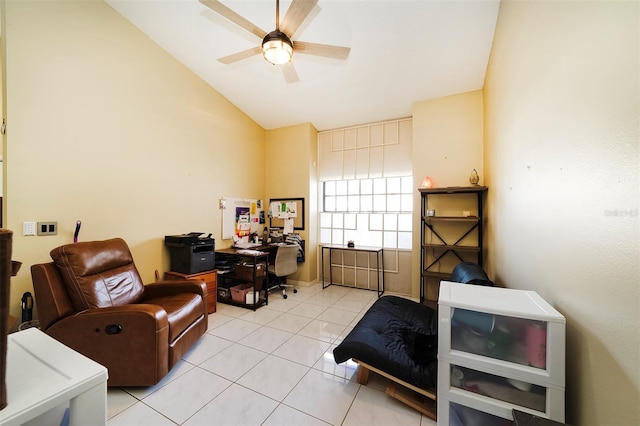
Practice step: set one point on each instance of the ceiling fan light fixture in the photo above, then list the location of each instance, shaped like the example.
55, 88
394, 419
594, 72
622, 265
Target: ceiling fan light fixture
277, 48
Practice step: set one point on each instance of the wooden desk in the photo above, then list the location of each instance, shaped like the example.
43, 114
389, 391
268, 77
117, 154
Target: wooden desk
43, 374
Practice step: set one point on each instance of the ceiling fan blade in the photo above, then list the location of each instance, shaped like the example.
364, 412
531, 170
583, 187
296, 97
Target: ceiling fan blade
223, 10
240, 55
297, 13
290, 74
326, 50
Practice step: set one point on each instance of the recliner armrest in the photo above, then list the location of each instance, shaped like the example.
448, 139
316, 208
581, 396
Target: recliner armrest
131, 339
92, 322
168, 288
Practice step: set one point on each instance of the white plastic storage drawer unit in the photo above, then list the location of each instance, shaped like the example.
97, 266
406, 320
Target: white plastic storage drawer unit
498, 349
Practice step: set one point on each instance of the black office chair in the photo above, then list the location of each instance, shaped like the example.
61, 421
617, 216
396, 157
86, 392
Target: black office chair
286, 263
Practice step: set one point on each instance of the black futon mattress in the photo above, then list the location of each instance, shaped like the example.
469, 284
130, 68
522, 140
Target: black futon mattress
397, 336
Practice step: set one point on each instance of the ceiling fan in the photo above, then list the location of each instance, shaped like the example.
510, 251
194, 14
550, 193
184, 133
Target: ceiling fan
277, 46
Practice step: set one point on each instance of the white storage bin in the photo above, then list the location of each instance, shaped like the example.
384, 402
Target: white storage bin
510, 343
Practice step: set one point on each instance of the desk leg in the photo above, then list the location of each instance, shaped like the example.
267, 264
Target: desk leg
331, 266
382, 270
380, 259
322, 265
90, 407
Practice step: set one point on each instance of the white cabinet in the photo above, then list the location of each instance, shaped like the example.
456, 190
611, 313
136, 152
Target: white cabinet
498, 349
43, 375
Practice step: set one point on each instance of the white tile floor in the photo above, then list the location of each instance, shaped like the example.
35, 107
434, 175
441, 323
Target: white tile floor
273, 366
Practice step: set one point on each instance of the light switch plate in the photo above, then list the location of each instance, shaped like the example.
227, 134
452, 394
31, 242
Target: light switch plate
28, 228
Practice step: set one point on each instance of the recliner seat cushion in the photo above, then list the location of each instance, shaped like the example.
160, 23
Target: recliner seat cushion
182, 311
98, 274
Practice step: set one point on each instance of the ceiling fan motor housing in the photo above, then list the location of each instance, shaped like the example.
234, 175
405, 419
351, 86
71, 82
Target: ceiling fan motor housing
277, 47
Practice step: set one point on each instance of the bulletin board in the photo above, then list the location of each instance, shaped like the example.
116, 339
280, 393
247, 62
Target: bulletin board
298, 221
234, 210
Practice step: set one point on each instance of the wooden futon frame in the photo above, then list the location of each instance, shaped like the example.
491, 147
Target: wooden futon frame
423, 400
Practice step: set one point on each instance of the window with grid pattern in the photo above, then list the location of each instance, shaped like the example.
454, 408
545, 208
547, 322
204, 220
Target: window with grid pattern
366, 185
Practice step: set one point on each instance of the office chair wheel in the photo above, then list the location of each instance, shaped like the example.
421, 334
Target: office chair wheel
295, 290
284, 295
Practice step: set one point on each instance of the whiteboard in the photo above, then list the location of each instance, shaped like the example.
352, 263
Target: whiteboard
229, 217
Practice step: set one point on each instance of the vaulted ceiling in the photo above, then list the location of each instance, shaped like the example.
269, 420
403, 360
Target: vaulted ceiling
402, 51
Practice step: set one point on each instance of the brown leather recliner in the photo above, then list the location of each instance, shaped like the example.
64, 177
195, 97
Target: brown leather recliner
92, 299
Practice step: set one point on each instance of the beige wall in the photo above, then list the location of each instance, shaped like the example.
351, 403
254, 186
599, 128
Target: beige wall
447, 146
105, 127
291, 155
562, 163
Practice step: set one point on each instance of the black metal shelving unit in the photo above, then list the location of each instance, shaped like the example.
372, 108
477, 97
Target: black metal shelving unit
443, 237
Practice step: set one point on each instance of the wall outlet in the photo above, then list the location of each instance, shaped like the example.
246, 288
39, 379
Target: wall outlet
47, 228
28, 228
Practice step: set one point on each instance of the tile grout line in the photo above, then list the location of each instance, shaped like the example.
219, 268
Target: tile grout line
342, 299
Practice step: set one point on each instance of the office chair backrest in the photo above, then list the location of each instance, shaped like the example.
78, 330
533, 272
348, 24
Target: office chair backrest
286, 260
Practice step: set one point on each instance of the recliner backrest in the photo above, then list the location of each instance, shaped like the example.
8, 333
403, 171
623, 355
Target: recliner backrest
98, 274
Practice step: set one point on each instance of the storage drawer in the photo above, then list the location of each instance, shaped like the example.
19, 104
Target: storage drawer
513, 391
496, 392
517, 340
453, 414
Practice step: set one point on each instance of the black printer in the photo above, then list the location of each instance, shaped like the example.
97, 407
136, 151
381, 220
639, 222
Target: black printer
191, 253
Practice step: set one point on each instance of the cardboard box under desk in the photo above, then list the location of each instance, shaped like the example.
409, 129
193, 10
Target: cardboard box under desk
244, 271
